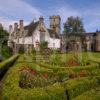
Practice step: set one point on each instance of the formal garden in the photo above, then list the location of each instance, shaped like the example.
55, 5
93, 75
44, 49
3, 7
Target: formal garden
57, 76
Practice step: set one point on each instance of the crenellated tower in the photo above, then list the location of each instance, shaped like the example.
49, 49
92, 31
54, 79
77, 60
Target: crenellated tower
55, 23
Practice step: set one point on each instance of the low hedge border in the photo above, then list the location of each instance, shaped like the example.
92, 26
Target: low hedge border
93, 94
5, 65
78, 86
75, 68
70, 70
57, 91
11, 89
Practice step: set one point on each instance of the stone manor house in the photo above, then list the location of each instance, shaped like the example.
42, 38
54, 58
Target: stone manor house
36, 32
33, 34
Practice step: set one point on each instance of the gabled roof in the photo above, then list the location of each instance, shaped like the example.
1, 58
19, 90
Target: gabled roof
53, 33
31, 27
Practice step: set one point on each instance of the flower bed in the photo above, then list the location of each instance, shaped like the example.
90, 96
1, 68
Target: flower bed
30, 78
12, 90
41, 81
72, 62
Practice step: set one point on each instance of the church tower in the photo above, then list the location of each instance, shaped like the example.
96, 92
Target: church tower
55, 23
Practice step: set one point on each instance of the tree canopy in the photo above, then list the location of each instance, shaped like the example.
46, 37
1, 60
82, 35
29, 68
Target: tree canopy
3, 35
74, 25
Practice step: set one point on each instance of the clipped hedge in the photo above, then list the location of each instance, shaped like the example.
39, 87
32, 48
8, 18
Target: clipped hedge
67, 90
89, 67
93, 94
5, 65
12, 91
67, 71
77, 86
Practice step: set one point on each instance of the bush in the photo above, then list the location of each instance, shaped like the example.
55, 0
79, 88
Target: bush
77, 86
11, 89
21, 50
6, 51
55, 60
93, 94
5, 65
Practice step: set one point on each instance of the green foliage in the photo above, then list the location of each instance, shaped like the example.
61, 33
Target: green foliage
5, 65
3, 33
73, 25
93, 94
6, 51
32, 79
55, 60
78, 86
43, 45
21, 50
58, 90
52, 92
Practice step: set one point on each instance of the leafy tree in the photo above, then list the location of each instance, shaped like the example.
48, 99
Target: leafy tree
73, 25
3, 36
5, 51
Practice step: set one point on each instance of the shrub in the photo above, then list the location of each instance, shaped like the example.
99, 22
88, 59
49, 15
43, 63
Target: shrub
55, 60
11, 89
6, 51
93, 94
21, 50
77, 86
5, 65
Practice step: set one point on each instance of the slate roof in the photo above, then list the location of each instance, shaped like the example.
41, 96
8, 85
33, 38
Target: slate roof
32, 26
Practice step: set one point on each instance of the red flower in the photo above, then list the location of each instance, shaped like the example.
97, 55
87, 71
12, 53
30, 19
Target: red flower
33, 72
45, 75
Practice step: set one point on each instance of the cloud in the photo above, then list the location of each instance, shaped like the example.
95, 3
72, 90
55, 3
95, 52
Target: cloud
12, 10
6, 22
66, 12
90, 16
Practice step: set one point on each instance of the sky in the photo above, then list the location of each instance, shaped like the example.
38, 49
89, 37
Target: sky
88, 10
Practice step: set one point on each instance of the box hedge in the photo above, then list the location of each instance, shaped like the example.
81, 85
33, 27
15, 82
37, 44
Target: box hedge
93, 94
77, 86
12, 91
5, 65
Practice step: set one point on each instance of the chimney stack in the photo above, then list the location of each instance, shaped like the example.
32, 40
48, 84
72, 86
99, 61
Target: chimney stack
15, 27
10, 28
21, 22
41, 19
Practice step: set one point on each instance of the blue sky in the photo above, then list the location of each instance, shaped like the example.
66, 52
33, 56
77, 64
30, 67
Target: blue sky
13, 10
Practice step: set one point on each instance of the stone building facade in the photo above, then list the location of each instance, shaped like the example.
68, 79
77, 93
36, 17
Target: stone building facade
82, 42
36, 32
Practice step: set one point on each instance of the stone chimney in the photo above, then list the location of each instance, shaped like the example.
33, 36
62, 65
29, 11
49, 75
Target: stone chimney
21, 22
15, 27
10, 28
41, 19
